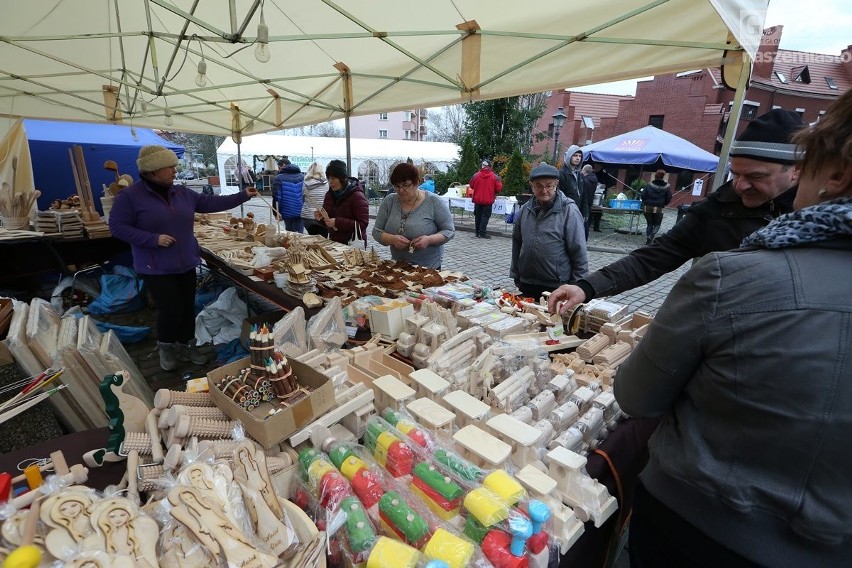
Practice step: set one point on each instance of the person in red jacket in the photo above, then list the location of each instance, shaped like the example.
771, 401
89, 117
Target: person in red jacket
485, 185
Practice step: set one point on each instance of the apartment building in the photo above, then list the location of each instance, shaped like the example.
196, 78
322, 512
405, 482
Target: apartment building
397, 125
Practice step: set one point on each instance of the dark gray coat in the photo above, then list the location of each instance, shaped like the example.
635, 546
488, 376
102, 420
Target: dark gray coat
749, 362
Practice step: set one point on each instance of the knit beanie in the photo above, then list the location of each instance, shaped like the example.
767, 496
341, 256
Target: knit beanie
153, 158
336, 169
544, 170
767, 138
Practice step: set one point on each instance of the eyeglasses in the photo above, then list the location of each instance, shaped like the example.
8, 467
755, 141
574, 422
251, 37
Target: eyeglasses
402, 221
543, 186
406, 185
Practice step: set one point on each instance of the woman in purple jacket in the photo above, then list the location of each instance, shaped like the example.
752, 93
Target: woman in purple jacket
156, 217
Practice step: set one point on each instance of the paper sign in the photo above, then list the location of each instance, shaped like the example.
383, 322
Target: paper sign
698, 187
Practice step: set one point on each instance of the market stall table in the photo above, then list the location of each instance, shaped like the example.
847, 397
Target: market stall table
38, 255
267, 290
635, 214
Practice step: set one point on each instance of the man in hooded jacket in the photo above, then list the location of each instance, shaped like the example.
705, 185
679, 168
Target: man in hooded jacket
655, 196
569, 173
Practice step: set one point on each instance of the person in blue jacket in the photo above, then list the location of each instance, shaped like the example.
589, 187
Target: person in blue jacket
428, 184
156, 217
287, 188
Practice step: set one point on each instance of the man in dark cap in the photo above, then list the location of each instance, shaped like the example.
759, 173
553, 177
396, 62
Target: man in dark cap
548, 242
763, 187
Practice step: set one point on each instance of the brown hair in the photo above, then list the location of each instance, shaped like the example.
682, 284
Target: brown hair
405, 172
830, 139
660, 174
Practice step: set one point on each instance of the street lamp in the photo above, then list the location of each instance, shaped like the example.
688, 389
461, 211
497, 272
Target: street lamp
558, 122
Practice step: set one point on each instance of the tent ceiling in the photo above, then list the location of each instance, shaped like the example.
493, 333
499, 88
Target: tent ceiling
69, 59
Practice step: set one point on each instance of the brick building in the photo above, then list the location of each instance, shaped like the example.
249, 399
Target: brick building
695, 105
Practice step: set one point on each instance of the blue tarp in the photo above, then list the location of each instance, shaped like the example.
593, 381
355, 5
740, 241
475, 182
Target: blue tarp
49, 143
651, 146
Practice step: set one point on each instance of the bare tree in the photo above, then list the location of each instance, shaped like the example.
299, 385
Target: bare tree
446, 124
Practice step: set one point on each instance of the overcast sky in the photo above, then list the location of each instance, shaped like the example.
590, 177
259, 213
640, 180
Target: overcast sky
819, 26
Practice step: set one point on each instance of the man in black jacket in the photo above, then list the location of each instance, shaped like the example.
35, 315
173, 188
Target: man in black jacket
763, 187
569, 173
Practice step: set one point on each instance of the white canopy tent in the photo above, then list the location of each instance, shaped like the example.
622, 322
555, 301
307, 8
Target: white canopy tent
373, 158
137, 61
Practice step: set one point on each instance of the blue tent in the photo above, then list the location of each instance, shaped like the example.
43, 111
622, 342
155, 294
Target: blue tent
651, 146
49, 144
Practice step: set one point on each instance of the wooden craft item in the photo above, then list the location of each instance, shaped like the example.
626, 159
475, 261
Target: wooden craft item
431, 415
262, 503
67, 515
391, 393
121, 530
467, 408
99, 559
213, 487
181, 550
481, 447
215, 531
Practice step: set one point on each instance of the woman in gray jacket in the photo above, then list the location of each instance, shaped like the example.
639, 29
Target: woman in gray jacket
748, 362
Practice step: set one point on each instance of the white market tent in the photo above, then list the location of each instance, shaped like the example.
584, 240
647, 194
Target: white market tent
137, 60
302, 150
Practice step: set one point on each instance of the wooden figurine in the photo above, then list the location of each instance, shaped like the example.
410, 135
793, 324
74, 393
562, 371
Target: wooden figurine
215, 531
67, 514
482, 448
180, 550
262, 504
214, 489
122, 531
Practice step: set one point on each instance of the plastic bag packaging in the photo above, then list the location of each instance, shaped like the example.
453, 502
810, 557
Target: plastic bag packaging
268, 520
121, 293
265, 256
221, 321
42, 330
327, 330
289, 334
85, 285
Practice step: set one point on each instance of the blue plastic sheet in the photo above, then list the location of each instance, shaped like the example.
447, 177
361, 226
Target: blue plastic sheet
121, 293
230, 352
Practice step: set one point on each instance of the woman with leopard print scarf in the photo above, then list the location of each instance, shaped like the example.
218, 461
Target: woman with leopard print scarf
749, 363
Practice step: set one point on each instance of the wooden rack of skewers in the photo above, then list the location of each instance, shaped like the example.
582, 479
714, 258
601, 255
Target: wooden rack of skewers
92, 222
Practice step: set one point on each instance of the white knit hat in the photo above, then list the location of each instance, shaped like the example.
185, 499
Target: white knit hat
153, 158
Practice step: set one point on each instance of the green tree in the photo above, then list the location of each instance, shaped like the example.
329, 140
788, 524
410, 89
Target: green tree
204, 144
468, 163
515, 180
499, 126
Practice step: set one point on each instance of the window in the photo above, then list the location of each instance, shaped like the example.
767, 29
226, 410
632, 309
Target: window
383, 116
383, 133
831, 84
801, 74
781, 76
749, 110
656, 120
588, 122
800, 112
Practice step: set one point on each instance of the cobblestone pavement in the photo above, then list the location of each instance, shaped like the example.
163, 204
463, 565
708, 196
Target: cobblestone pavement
488, 259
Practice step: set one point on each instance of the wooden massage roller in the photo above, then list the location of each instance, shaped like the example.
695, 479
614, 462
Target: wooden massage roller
165, 398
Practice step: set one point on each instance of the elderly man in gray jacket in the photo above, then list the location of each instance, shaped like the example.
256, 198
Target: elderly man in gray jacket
548, 242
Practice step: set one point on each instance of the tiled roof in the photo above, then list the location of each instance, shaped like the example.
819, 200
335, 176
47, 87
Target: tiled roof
596, 105
790, 64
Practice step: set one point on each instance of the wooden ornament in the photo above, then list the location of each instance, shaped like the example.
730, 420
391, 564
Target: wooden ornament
215, 531
214, 488
67, 514
122, 531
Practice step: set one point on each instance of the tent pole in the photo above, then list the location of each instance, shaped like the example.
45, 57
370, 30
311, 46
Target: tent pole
348, 145
240, 176
733, 121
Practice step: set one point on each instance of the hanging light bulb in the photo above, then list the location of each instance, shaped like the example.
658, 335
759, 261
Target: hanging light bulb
133, 133
261, 48
201, 78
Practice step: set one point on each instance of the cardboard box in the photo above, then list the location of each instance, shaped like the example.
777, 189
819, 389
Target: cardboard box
271, 430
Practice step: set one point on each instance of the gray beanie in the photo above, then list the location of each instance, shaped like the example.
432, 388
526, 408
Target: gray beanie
153, 158
544, 170
768, 138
